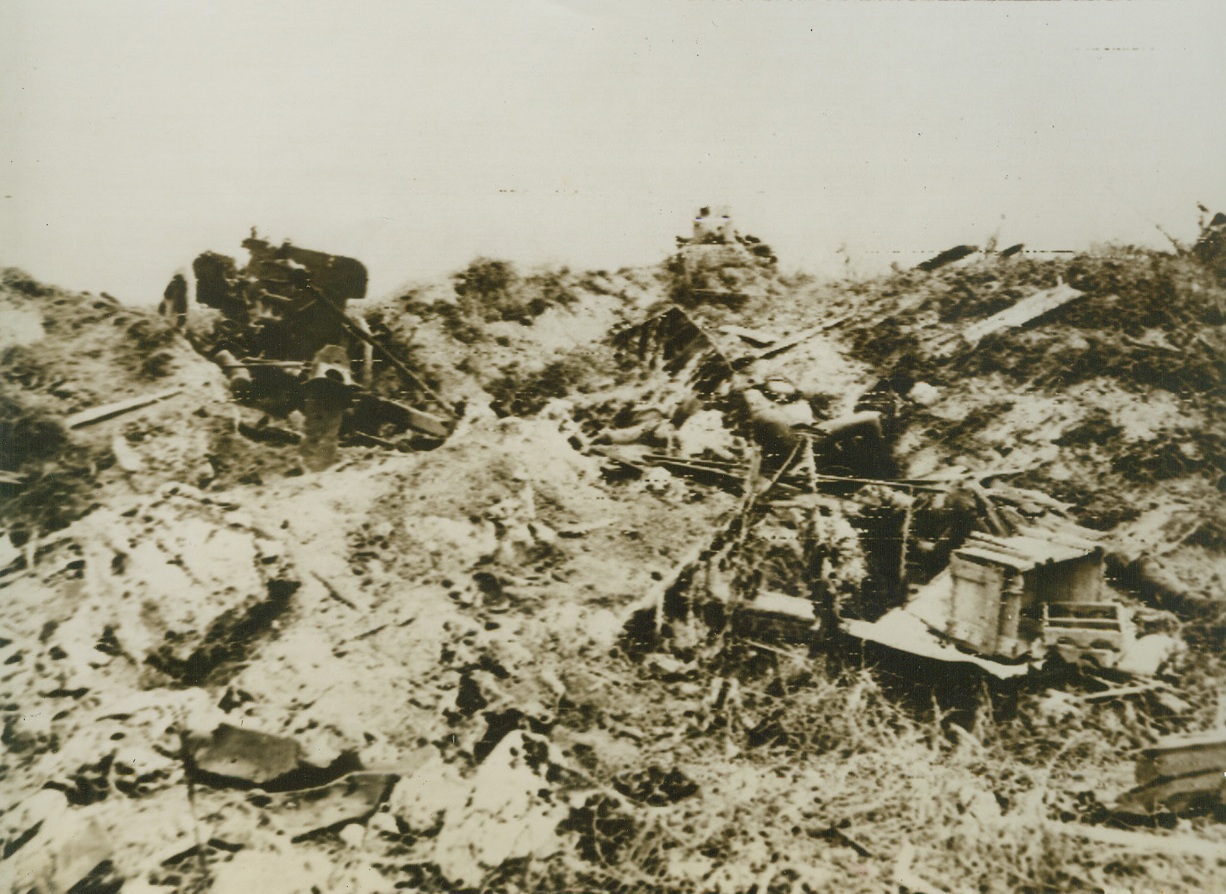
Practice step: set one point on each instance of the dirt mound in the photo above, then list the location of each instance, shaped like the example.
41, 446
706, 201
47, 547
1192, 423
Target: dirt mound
514, 341
70, 353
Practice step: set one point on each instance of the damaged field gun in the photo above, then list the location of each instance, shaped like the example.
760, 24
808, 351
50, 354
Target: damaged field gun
286, 342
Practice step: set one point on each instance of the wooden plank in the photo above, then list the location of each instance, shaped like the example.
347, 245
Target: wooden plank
1118, 692
1176, 795
975, 604
1183, 755
117, 408
265, 364
1021, 313
1137, 842
792, 341
754, 337
428, 423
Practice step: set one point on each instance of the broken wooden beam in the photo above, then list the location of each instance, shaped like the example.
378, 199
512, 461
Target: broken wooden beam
1180, 755
1021, 313
707, 473
1118, 692
1135, 842
369, 440
799, 338
903, 484
117, 408
754, 337
259, 363
732, 470
1179, 773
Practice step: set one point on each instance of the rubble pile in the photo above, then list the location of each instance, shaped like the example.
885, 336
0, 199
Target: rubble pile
912, 583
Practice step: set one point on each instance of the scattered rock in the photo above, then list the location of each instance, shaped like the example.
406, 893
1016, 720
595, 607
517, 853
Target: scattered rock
508, 809
244, 755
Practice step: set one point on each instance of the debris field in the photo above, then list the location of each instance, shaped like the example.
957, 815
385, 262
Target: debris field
700, 577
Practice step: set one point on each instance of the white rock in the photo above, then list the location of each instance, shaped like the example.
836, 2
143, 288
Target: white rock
422, 798
127, 458
503, 817
924, 394
383, 822
702, 432
1145, 655
352, 835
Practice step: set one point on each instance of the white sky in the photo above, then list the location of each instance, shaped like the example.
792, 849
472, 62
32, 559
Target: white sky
416, 136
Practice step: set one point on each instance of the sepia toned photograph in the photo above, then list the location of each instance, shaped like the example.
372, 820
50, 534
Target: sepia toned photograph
566, 446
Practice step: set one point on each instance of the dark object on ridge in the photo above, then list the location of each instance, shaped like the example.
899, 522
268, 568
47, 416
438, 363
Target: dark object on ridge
174, 301
286, 342
957, 253
1210, 248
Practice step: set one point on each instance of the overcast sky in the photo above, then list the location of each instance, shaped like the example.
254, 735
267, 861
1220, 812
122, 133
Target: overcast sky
416, 136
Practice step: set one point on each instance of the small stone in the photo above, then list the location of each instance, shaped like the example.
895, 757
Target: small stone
204, 474
381, 823
353, 835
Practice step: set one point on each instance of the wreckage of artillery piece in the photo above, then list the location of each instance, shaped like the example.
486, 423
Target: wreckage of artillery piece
286, 341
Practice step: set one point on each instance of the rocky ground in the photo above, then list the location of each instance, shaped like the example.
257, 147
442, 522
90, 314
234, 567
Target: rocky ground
412, 671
